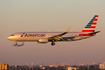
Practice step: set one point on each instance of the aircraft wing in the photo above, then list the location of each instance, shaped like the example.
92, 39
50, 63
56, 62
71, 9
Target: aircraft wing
57, 37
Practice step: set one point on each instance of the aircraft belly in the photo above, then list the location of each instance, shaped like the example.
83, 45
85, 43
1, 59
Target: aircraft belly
30, 38
73, 38
27, 39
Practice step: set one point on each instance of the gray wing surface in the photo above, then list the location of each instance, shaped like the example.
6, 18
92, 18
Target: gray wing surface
57, 37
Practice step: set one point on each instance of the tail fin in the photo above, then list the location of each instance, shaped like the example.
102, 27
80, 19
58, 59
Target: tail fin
90, 27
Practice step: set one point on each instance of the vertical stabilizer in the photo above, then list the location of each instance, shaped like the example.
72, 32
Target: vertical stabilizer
90, 27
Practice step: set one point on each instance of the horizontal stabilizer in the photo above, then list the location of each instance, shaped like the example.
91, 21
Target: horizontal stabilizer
94, 32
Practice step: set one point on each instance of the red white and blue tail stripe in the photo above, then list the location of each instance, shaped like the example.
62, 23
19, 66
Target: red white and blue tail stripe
90, 27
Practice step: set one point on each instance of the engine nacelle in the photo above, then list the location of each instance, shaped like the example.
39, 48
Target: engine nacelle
43, 40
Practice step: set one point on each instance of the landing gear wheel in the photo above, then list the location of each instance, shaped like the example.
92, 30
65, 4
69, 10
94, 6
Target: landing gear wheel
52, 43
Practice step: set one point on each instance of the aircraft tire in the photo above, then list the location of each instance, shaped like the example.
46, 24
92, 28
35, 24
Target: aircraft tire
52, 43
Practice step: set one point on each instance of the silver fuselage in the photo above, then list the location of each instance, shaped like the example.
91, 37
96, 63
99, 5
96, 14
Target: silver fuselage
35, 36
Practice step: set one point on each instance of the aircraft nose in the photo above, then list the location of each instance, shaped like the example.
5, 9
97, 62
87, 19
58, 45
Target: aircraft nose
9, 38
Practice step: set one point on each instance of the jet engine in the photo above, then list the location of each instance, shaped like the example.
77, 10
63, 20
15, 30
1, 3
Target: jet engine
43, 40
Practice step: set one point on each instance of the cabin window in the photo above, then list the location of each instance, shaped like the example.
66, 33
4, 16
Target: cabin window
12, 35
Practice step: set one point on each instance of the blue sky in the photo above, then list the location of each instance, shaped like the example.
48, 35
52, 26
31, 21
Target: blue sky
55, 15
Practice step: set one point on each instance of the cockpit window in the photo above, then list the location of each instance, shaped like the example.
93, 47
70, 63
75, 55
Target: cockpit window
12, 35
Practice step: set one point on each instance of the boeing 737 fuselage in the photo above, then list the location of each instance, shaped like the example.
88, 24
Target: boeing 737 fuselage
44, 37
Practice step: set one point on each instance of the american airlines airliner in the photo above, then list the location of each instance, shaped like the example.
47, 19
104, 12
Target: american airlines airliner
45, 37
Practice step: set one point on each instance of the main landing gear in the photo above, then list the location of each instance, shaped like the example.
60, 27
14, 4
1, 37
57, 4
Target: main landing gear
52, 43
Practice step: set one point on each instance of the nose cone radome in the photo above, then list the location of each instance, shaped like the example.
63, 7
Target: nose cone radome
9, 38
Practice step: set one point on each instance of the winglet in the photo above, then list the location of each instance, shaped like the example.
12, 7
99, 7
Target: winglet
68, 29
22, 43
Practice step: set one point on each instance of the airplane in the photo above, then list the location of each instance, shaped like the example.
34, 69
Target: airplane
18, 45
45, 37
